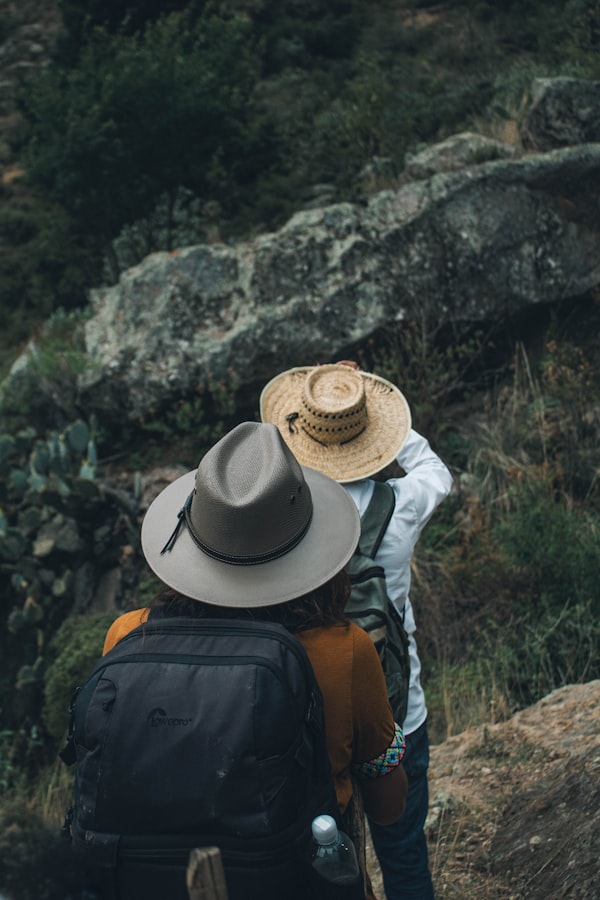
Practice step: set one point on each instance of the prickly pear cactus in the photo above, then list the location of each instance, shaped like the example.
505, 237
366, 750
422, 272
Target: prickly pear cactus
60, 532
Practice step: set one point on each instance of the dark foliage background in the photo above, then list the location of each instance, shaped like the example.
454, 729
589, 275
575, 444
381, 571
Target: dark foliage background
156, 125
161, 124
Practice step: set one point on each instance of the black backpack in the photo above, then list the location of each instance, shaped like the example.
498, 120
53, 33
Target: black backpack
370, 606
198, 732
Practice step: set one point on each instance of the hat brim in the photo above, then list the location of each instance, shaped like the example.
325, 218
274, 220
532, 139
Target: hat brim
389, 424
326, 547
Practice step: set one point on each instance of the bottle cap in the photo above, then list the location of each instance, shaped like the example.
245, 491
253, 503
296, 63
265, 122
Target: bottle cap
324, 829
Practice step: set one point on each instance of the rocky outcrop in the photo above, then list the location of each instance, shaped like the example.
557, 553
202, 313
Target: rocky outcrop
514, 809
472, 245
562, 112
453, 154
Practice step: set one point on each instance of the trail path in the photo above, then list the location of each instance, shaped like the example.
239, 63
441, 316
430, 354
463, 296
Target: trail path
515, 806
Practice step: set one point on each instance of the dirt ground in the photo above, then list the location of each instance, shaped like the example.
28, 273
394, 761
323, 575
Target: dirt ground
515, 806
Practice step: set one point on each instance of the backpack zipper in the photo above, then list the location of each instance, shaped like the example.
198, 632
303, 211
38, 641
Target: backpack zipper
223, 630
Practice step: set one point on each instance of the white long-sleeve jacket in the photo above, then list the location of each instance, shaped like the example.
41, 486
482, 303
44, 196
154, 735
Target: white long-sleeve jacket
418, 494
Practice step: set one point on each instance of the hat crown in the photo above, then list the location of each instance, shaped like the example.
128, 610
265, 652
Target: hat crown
251, 502
334, 409
346, 423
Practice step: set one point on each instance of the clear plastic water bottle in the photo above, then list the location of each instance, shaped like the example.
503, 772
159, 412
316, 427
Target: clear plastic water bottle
334, 856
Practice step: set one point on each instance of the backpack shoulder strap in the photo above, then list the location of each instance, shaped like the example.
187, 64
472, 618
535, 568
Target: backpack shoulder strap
376, 518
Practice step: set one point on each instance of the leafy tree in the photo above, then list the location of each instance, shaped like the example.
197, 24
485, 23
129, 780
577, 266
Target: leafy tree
81, 17
582, 36
141, 116
308, 32
44, 264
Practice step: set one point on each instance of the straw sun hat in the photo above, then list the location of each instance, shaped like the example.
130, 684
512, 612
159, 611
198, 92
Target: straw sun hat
344, 422
250, 527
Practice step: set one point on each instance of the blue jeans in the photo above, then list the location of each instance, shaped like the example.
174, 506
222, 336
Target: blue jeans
401, 848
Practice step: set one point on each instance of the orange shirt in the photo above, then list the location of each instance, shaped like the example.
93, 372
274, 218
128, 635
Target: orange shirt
358, 717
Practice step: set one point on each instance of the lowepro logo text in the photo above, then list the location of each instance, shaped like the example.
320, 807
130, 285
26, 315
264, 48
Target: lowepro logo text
158, 718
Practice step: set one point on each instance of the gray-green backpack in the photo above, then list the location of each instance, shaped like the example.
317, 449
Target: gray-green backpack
370, 606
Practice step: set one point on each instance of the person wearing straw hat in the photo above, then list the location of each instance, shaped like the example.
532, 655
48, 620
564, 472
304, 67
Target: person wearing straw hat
251, 533
350, 425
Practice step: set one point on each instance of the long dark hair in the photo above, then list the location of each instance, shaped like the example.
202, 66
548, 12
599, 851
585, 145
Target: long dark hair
321, 608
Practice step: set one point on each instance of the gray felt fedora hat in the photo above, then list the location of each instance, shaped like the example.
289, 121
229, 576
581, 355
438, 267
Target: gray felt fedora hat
251, 526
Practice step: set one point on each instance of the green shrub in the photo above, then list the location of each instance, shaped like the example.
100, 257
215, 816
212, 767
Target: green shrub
60, 532
77, 644
541, 648
512, 662
551, 547
19, 756
43, 266
141, 116
540, 427
581, 37
43, 393
505, 581
36, 863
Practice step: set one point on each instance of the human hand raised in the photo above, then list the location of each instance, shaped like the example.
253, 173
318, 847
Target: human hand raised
348, 362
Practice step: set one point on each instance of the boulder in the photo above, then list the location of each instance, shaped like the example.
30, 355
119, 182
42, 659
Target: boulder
472, 245
562, 112
455, 153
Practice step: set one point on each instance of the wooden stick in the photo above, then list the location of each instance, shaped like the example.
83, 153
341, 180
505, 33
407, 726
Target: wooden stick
205, 875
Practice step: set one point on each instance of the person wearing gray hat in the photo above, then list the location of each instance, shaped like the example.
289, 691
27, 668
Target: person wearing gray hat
251, 533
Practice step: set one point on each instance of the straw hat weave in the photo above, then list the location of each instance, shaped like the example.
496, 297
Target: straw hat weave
345, 423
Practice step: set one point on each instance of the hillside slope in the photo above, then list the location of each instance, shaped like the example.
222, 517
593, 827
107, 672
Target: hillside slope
515, 811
